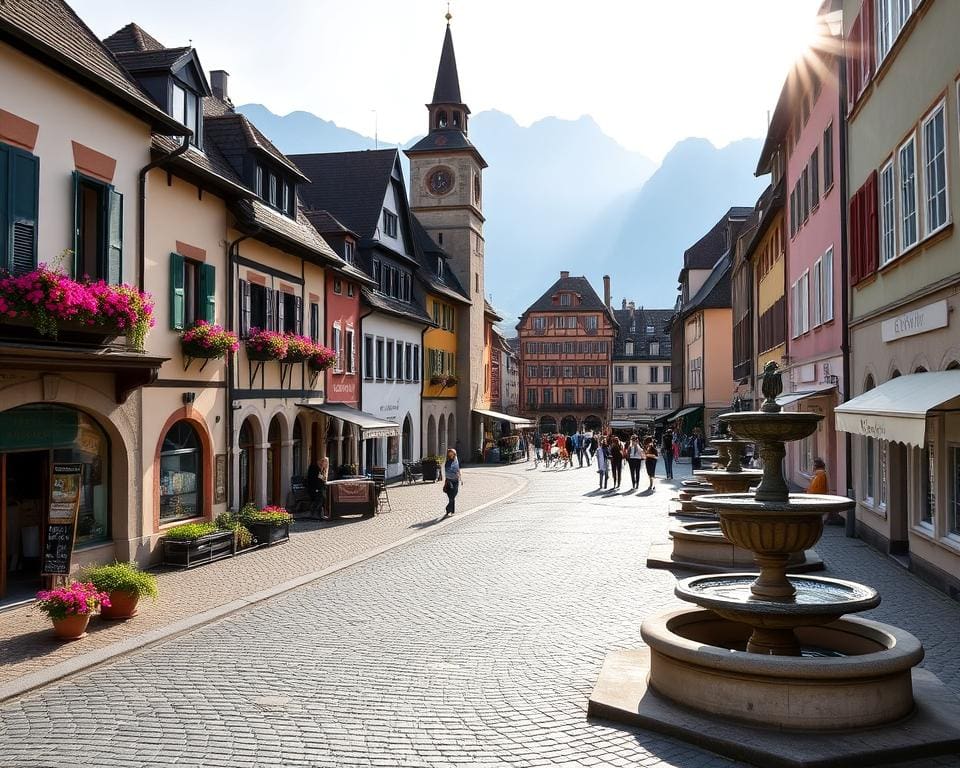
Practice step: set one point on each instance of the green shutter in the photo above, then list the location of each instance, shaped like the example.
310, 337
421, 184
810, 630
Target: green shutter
24, 202
208, 292
177, 296
4, 205
114, 271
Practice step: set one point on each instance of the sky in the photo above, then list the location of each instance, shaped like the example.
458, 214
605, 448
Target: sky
649, 72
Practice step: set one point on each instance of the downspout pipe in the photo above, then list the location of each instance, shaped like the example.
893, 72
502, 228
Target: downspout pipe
851, 516
142, 206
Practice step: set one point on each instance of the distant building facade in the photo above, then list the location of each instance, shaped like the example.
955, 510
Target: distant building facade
642, 370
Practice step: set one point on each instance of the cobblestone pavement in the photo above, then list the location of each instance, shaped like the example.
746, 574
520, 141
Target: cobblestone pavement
27, 644
477, 645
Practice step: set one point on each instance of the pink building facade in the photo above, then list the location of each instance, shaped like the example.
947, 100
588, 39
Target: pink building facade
814, 280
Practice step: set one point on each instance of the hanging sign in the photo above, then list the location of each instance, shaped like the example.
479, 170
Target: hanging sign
61, 527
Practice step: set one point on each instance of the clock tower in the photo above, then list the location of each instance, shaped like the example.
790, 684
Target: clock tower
446, 195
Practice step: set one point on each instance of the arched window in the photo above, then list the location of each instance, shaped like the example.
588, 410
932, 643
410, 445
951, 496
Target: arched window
442, 118
442, 435
407, 442
568, 425
431, 436
895, 374
456, 118
181, 474
548, 425
920, 369
452, 431
953, 365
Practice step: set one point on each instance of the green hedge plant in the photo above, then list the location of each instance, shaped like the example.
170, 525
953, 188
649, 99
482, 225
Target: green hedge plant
190, 531
122, 577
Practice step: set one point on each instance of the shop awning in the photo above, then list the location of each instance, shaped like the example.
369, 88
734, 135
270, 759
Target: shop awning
370, 425
622, 424
680, 413
897, 409
517, 421
815, 391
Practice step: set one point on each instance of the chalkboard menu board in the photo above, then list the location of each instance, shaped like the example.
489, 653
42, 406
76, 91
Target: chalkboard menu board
61, 525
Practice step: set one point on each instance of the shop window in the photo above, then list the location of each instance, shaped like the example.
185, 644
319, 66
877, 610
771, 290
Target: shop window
953, 514
247, 451
98, 229
181, 468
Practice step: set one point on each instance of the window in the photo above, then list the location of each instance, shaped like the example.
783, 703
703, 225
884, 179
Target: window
929, 466
619, 400
869, 470
350, 289
289, 312
368, 360
98, 229
826, 277
666, 374
953, 511
532, 372
184, 110
935, 169
649, 330
256, 307
389, 223
667, 400
816, 294
337, 285
399, 361
653, 402
380, 352
314, 322
864, 230
258, 181
193, 290
590, 322
285, 204
888, 244
565, 300
416, 363
389, 361
632, 374
531, 396
378, 274
618, 374
891, 15
805, 190
907, 162
568, 372
181, 474
804, 287
548, 396
570, 322
272, 197
539, 323
569, 396
654, 348
337, 339
632, 401
628, 348
349, 251
828, 158
815, 178
407, 362
348, 349
654, 374
19, 207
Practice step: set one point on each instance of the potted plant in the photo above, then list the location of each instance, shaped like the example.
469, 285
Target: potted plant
431, 468
299, 348
444, 380
70, 607
208, 342
269, 526
193, 544
322, 358
266, 345
242, 538
125, 583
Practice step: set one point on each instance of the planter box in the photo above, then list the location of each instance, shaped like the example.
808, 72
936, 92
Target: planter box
431, 471
268, 535
68, 332
206, 549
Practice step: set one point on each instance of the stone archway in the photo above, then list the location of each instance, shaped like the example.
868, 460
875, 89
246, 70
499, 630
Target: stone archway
592, 423
451, 431
431, 436
548, 425
442, 434
406, 439
568, 425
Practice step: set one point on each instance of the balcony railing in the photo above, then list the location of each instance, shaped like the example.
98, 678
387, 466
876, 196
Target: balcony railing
544, 407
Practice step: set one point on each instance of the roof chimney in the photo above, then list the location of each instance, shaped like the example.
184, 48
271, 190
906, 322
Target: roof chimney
606, 292
218, 83
624, 305
564, 274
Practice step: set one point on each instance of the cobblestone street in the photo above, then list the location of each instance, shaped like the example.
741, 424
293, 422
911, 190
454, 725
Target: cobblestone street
475, 645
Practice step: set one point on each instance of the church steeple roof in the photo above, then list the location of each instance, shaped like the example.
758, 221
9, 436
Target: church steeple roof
447, 89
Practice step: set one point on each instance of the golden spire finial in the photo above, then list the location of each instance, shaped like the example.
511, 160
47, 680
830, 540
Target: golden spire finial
448, 15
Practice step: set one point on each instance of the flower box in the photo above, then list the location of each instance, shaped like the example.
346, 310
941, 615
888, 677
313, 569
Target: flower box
73, 332
205, 341
266, 345
206, 549
267, 535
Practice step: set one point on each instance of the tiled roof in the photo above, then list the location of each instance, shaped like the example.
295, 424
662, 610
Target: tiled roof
704, 253
576, 285
394, 307
297, 233
132, 38
350, 185
209, 163
143, 61
448, 285
234, 131
216, 107
445, 140
771, 201
50, 31
327, 224
641, 317
447, 88
715, 292
491, 312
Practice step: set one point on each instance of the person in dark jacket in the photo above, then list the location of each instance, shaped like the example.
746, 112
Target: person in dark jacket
451, 485
615, 449
666, 449
571, 446
696, 448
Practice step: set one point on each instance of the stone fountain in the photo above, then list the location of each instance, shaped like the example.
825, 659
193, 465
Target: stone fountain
767, 667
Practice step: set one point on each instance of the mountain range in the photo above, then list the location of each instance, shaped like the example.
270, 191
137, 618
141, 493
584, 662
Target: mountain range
562, 195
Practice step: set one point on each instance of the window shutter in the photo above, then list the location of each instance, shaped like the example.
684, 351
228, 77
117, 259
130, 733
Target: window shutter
4, 206
244, 308
281, 298
299, 328
867, 44
24, 197
76, 224
208, 292
271, 310
854, 239
872, 231
177, 295
114, 270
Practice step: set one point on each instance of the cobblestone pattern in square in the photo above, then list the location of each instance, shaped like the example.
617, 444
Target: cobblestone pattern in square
27, 644
476, 646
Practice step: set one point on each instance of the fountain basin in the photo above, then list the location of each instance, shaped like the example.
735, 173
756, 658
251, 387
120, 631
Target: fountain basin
760, 426
724, 481
704, 542
696, 661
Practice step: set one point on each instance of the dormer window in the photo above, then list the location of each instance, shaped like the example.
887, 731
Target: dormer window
649, 330
440, 267
628, 347
258, 182
185, 109
272, 199
286, 199
389, 223
348, 251
654, 348
565, 300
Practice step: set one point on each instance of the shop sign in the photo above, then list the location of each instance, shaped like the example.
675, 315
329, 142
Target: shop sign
873, 427
23, 429
916, 321
61, 519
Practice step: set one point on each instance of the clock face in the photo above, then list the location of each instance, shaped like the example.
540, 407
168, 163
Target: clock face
440, 181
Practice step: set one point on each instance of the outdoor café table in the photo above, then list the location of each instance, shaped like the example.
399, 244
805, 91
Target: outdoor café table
351, 496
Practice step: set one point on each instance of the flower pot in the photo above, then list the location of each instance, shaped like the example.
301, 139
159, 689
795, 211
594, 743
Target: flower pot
68, 332
431, 471
71, 627
206, 549
123, 605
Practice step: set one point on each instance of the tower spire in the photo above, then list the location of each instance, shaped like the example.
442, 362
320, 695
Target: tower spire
449, 15
447, 88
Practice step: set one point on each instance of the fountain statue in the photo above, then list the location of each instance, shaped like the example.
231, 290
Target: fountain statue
767, 667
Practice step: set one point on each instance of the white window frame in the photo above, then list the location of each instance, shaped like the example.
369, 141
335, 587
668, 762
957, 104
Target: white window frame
939, 108
667, 401
795, 314
337, 347
904, 245
886, 33
653, 401
817, 293
888, 213
619, 401
805, 301
952, 456
826, 301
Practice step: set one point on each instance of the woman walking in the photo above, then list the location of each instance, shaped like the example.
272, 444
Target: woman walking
635, 457
603, 463
451, 485
650, 456
616, 460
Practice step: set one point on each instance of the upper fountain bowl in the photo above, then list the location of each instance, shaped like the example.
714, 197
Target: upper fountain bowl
783, 427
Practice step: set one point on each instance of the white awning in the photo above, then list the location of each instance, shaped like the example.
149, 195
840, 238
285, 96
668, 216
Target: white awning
897, 409
814, 391
622, 424
370, 426
517, 421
